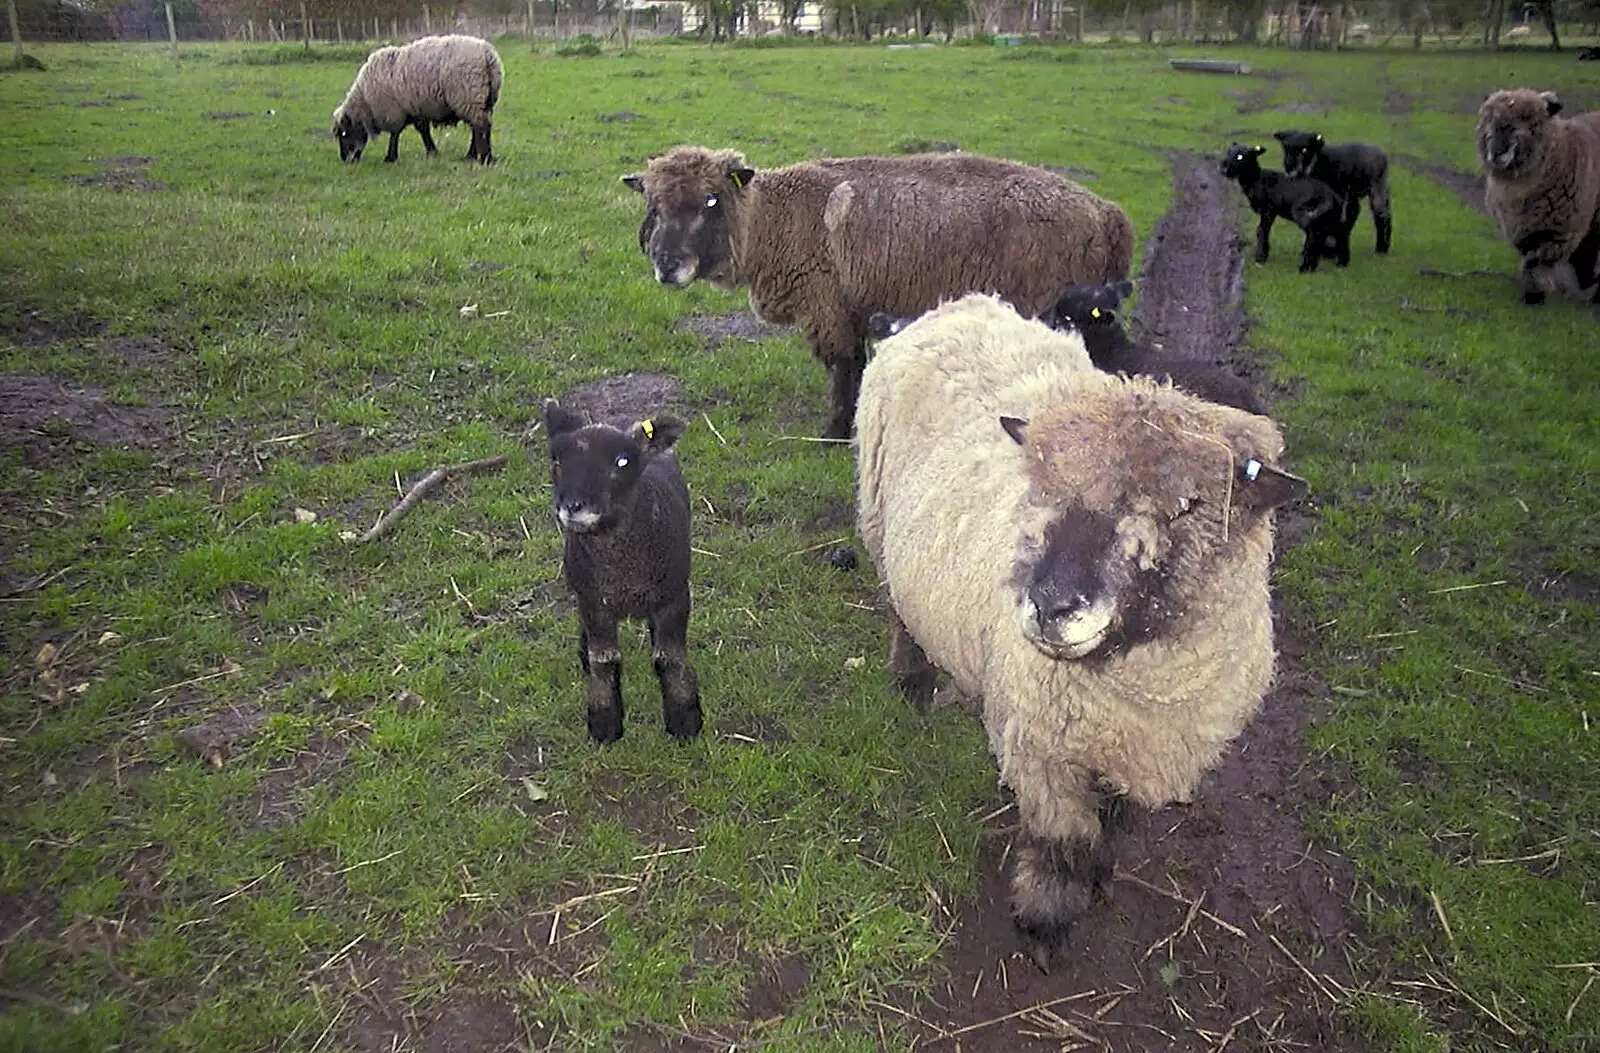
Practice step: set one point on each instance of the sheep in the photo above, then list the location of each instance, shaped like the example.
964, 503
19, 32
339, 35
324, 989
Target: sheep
437, 80
1542, 186
1094, 568
1354, 170
623, 509
826, 243
1091, 309
1309, 203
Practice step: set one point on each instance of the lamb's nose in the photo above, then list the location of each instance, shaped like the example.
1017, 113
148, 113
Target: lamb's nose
1055, 607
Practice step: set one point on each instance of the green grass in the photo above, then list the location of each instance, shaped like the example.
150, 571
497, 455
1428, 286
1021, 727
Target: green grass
422, 787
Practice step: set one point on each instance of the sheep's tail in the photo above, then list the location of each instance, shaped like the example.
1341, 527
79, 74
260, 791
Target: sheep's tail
493, 67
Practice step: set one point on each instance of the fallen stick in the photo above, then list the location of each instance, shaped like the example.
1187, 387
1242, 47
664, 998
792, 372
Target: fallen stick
1434, 272
432, 481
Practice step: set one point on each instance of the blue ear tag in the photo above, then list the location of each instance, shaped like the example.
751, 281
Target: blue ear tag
1252, 468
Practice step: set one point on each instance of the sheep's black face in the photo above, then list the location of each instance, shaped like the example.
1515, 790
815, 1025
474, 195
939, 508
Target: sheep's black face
1086, 306
1240, 160
1300, 151
352, 139
1511, 130
688, 226
595, 468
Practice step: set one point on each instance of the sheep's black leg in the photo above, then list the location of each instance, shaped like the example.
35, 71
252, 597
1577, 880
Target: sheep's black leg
909, 664
844, 376
680, 687
1380, 213
1533, 291
1311, 251
394, 149
583, 651
479, 150
427, 137
603, 674
1263, 229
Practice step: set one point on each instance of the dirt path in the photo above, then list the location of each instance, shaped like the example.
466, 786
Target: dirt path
1221, 907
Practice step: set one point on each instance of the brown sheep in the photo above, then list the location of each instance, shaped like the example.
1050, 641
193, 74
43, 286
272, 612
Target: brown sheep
1542, 176
825, 244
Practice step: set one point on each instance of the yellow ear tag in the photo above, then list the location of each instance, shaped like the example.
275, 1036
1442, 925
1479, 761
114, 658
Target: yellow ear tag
649, 429
1094, 312
738, 180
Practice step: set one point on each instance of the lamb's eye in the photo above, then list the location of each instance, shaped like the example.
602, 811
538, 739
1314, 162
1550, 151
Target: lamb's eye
622, 461
711, 201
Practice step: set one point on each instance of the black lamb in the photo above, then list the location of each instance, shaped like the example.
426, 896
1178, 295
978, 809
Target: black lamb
623, 508
1354, 170
1310, 204
1092, 308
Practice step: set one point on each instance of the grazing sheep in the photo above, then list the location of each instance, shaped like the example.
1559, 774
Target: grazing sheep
624, 510
1354, 170
1091, 309
1309, 203
437, 80
826, 243
1094, 567
1589, 54
1543, 187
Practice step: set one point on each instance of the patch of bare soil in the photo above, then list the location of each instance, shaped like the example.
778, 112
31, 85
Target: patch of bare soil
222, 734
1468, 186
1398, 103
715, 329
32, 329
274, 803
634, 395
1191, 287
122, 173
1227, 926
42, 414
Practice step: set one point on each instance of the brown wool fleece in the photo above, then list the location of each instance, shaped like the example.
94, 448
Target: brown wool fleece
948, 502
822, 244
1548, 205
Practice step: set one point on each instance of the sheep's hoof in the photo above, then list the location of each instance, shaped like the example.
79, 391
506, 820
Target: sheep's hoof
1533, 297
1044, 941
605, 725
684, 724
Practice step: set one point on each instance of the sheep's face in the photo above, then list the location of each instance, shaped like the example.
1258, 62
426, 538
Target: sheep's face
1129, 538
1511, 130
352, 136
595, 468
1300, 151
1240, 160
1086, 306
690, 197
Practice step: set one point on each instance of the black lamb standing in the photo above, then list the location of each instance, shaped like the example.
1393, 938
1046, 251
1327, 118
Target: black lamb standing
1310, 204
623, 508
1354, 170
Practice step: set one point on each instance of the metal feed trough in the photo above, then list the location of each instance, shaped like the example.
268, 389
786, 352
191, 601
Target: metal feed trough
1206, 65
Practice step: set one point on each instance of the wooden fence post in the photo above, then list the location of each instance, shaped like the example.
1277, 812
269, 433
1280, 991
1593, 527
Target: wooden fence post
172, 30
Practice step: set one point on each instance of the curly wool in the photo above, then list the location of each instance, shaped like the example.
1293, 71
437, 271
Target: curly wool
947, 502
441, 79
1551, 204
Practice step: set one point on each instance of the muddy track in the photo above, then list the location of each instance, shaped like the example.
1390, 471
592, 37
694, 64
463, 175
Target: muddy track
1218, 904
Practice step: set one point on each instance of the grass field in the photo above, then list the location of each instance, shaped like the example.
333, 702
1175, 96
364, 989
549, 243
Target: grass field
409, 828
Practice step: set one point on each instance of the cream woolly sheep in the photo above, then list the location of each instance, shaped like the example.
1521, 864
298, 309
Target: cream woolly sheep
824, 244
437, 80
1543, 187
1088, 554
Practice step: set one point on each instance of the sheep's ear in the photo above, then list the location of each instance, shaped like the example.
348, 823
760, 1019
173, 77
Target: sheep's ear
1266, 487
1552, 104
1017, 428
740, 177
1281, 136
635, 181
1123, 289
658, 433
1257, 150
558, 420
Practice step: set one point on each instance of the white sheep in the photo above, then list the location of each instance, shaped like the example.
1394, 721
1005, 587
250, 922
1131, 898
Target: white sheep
1088, 554
435, 80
